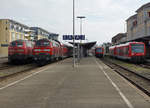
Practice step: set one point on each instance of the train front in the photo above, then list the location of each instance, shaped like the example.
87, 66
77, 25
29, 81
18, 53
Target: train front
42, 51
17, 51
138, 52
99, 52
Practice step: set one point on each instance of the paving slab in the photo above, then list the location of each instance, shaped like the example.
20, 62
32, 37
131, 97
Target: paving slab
62, 86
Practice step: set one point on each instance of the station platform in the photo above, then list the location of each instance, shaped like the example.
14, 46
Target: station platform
91, 84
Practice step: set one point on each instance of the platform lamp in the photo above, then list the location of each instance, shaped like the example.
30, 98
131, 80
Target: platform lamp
80, 17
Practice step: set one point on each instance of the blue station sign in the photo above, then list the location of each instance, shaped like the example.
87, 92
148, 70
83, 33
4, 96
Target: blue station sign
70, 37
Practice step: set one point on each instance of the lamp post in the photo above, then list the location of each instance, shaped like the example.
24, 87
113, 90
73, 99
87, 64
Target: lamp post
80, 17
73, 33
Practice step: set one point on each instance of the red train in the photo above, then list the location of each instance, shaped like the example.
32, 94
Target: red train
133, 51
20, 50
46, 50
99, 51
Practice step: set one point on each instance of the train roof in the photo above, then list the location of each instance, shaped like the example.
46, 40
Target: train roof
112, 47
99, 47
20, 40
67, 44
126, 44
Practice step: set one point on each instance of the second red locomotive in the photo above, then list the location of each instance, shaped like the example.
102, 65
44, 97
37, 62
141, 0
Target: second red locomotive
46, 50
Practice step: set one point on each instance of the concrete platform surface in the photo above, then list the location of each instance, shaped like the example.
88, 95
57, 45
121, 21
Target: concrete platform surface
90, 85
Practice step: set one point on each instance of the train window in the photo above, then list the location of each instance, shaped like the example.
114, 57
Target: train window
137, 48
99, 50
118, 51
19, 44
13, 44
42, 43
126, 50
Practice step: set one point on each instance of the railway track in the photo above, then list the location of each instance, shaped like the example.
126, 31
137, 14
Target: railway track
11, 70
14, 70
145, 65
141, 82
5, 65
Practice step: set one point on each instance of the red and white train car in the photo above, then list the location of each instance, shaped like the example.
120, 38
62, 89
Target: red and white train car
112, 51
99, 51
133, 51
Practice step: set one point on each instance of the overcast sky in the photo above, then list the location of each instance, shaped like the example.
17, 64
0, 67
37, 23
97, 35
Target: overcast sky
104, 18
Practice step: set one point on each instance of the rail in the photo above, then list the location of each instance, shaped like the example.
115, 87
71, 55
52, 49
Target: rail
141, 82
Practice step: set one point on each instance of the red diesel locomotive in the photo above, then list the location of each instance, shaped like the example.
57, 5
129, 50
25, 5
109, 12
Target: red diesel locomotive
20, 50
99, 52
46, 50
133, 51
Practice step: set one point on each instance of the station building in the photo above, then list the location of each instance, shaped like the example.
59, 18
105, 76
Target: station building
11, 30
119, 38
138, 26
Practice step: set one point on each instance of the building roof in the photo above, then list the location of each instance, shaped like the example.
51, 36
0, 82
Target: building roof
119, 35
16, 22
43, 30
87, 45
143, 6
132, 17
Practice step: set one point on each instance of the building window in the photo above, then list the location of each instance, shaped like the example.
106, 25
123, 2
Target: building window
21, 36
149, 14
17, 36
134, 23
12, 36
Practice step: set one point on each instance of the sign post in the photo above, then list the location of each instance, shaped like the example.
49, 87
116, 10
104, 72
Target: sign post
74, 37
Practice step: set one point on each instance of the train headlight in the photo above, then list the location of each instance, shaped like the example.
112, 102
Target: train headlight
46, 49
37, 50
132, 54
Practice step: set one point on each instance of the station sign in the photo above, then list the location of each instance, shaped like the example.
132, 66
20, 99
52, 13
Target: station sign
70, 37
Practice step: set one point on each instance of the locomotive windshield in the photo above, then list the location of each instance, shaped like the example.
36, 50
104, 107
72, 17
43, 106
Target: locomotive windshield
99, 50
16, 43
42, 43
13, 44
137, 48
19, 44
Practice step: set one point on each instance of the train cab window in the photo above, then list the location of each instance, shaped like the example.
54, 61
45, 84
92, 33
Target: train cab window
99, 50
19, 44
13, 44
45, 43
137, 48
42, 43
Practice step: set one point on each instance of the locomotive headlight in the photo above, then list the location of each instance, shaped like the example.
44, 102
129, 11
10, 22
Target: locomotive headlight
46, 49
37, 50
132, 54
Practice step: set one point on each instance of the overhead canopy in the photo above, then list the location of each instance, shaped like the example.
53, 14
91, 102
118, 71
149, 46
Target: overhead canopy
87, 45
